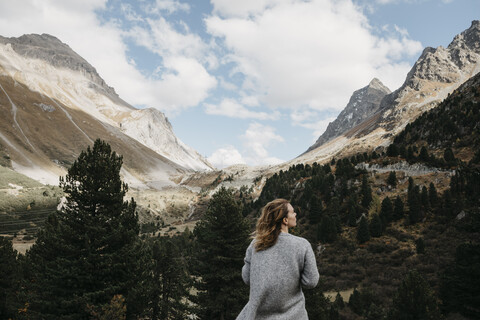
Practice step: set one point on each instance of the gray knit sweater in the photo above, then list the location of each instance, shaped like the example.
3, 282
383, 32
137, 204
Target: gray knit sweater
276, 277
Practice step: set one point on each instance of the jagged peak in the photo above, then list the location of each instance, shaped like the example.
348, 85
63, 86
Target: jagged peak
377, 84
470, 37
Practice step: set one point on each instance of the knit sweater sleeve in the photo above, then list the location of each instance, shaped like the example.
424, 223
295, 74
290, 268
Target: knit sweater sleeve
246, 266
310, 276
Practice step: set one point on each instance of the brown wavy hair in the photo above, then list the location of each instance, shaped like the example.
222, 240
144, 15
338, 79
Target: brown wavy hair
269, 225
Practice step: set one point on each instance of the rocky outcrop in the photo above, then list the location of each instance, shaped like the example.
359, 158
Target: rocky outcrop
363, 104
416, 169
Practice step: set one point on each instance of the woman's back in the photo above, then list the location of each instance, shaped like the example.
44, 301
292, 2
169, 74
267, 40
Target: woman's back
276, 275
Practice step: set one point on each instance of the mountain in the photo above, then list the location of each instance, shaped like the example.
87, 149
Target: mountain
363, 103
56, 104
437, 73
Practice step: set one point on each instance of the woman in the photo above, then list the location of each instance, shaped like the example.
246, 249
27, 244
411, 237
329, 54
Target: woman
277, 266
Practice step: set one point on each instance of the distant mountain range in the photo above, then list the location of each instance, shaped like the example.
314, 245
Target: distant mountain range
54, 104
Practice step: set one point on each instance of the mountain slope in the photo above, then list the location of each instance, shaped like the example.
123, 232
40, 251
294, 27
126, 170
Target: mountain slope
55, 104
46, 65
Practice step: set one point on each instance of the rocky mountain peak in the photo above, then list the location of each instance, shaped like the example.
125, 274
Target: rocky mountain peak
363, 103
58, 54
469, 38
378, 85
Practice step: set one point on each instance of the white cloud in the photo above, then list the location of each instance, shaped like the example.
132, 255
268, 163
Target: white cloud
256, 139
233, 109
242, 8
161, 38
129, 13
225, 157
168, 5
311, 120
307, 53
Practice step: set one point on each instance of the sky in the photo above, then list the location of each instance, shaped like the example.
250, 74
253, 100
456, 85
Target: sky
252, 81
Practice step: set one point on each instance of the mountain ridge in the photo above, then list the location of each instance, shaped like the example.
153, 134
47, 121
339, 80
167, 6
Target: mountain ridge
437, 73
71, 91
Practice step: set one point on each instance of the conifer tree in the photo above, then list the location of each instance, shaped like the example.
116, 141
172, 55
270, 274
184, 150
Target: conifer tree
449, 157
392, 150
425, 199
339, 303
420, 245
375, 226
461, 282
414, 205
316, 303
366, 192
169, 282
363, 233
88, 251
423, 156
352, 216
222, 238
386, 213
392, 179
327, 231
432, 195
315, 210
398, 211
9, 279
414, 300
355, 302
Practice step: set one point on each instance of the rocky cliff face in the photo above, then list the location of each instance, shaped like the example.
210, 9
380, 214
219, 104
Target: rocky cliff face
436, 74
363, 104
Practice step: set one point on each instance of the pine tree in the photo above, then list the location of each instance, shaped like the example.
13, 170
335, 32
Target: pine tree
355, 302
386, 213
432, 195
392, 150
363, 233
425, 199
9, 279
461, 282
414, 205
392, 179
375, 226
339, 303
420, 245
327, 230
222, 238
88, 252
449, 157
316, 303
398, 209
352, 216
423, 156
366, 192
169, 282
414, 300
315, 210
